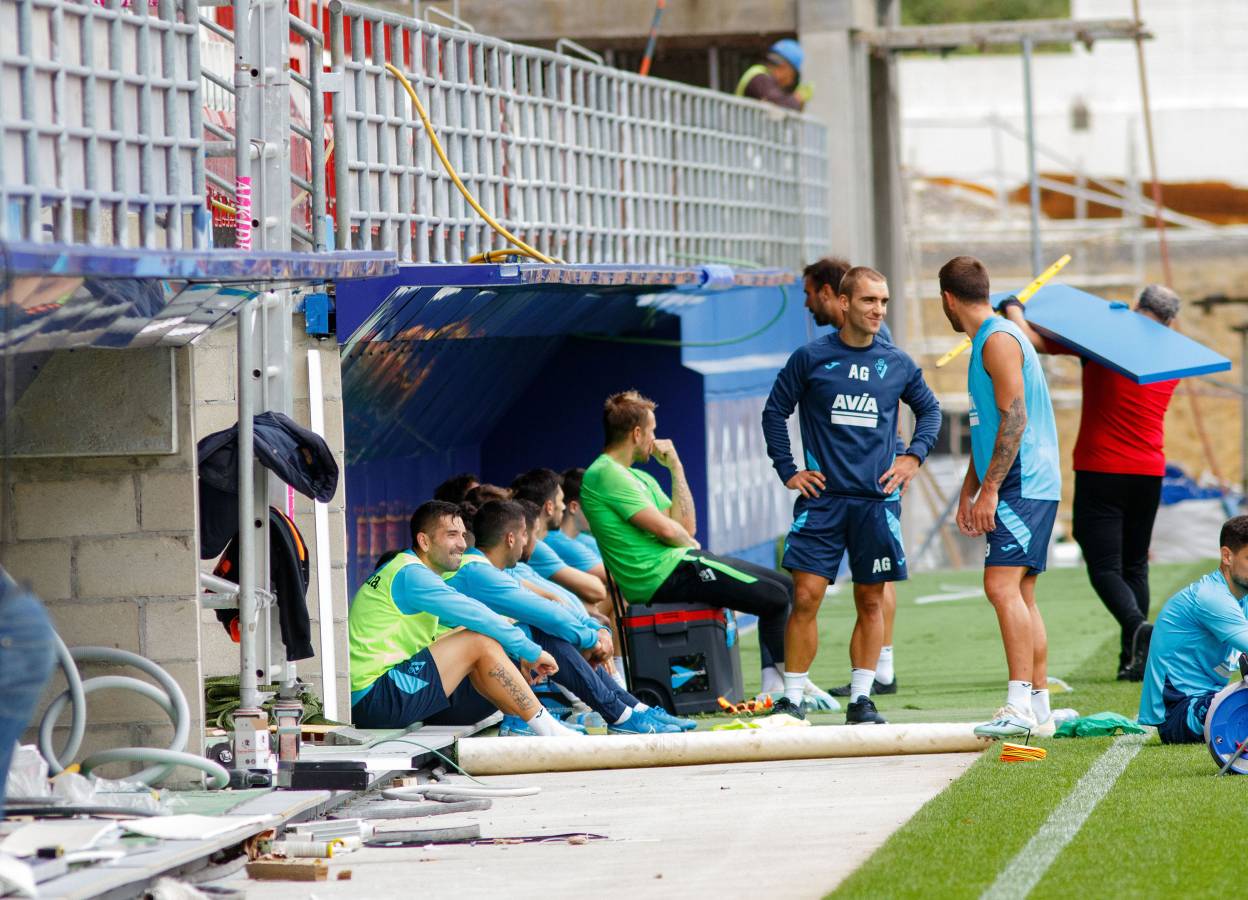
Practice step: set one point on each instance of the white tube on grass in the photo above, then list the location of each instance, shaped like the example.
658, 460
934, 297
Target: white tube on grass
513, 756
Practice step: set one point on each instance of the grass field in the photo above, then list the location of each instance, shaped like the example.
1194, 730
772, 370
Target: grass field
1167, 827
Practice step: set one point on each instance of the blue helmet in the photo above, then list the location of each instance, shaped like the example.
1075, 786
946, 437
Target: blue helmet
790, 51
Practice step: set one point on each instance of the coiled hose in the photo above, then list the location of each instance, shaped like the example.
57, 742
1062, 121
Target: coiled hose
168, 696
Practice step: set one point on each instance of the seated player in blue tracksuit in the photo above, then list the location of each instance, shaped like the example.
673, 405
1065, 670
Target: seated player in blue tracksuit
1012, 485
545, 488
572, 540
501, 540
423, 652
1201, 631
846, 387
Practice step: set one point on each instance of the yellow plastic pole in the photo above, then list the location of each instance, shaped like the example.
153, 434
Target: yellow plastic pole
1023, 296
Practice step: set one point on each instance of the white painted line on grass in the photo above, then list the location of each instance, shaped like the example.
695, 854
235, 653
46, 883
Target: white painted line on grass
1025, 870
951, 594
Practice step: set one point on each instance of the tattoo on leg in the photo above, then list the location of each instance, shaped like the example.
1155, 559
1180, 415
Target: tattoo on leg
518, 695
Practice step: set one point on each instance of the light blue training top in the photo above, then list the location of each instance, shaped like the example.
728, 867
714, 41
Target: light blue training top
1036, 473
502, 592
545, 561
572, 551
525, 572
1195, 634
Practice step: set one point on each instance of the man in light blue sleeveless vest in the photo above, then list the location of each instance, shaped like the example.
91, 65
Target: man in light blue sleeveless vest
1012, 486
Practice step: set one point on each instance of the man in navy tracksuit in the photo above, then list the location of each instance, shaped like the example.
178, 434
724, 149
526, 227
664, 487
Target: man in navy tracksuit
847, 385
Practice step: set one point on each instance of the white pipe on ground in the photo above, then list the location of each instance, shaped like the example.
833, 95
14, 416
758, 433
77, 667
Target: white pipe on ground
515, 756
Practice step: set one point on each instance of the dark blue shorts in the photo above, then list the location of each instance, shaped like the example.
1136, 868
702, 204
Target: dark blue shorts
869, 529
1021, 537
410, 692
1179, 706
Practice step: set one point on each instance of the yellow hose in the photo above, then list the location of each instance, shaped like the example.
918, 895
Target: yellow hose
450, 170
490, 256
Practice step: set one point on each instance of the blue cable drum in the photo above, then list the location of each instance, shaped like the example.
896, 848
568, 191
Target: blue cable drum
1226, 726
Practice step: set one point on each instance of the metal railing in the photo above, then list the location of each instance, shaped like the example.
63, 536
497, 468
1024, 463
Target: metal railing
585, 162
100, 123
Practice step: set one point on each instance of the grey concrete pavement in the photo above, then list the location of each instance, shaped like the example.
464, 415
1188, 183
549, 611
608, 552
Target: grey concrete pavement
683, 831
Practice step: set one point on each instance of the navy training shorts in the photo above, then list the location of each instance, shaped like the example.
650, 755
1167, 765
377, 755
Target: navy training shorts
1181, 709
1021, 537
869, 529
410, 692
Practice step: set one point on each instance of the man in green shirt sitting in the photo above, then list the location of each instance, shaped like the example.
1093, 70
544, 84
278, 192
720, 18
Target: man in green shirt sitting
646, 537
410, 662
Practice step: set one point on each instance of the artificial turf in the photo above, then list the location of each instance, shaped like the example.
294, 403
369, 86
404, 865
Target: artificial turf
1162, 829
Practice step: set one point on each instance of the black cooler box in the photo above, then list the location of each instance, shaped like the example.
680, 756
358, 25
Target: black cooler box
682, 656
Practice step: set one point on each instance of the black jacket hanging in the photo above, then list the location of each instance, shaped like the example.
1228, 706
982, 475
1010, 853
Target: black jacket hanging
300, 457
288, 574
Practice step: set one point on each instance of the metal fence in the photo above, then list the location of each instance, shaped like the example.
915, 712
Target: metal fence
584, 162
100, 135
102, 141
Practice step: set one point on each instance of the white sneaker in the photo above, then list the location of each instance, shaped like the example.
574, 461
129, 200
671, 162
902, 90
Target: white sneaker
815, 697
1008, 722
1065, 715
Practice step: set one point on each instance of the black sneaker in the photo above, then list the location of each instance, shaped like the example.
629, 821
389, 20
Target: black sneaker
1139, 648
786, 707
863, 712
877, 687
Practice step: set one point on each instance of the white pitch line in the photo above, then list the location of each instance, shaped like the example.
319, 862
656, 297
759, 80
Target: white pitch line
1025, 870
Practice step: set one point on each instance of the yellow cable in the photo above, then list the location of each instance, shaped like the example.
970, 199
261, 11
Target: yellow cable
490, 256
1023, 296
450, 170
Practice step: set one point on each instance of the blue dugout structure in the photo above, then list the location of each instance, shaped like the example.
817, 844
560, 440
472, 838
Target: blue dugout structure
496, 369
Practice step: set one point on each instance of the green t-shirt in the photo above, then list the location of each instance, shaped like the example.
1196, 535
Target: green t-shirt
610, 495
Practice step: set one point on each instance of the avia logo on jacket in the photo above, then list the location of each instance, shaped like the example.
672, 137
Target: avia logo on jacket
859, 410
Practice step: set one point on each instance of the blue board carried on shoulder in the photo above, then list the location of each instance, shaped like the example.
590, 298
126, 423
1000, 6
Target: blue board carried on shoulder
1111, 334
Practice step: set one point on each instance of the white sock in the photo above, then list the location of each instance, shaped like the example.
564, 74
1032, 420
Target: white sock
794, 686
547, 725
1019, 695
884, 668
640, 707
624, 716
618, 664
619, 672
773, 681
860, 683
1040, 706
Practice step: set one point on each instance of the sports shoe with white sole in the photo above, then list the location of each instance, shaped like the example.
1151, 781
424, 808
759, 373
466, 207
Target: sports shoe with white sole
664, 716
514, 726
1007, 723
816, 698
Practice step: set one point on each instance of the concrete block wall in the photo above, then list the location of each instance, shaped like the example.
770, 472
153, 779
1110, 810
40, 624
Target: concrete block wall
216, 367
109, 544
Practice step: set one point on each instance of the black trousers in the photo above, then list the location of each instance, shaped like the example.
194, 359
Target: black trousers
770, 596
594, 686
1113, 523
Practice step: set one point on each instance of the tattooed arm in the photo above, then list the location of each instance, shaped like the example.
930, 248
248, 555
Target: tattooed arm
681, 510
1003, 361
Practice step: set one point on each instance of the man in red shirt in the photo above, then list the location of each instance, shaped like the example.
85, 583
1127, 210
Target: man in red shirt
1119, 461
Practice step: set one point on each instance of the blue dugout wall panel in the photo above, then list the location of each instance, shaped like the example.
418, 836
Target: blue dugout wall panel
445, 372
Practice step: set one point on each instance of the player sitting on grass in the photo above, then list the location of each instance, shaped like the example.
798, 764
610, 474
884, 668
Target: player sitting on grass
1201, 631
565, 632
408, 661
